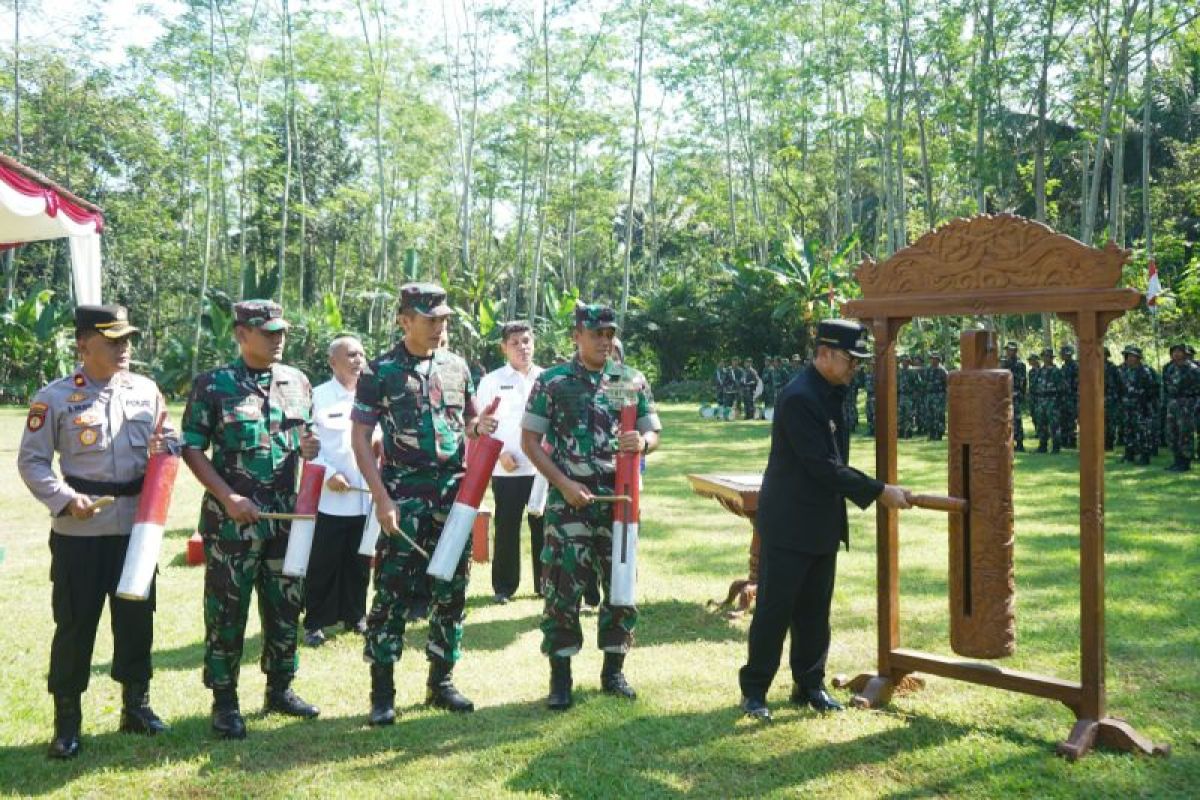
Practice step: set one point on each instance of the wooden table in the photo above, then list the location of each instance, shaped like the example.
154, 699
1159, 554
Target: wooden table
739, 495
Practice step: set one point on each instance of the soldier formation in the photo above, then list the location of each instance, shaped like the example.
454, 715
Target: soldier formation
246, 431
743, 392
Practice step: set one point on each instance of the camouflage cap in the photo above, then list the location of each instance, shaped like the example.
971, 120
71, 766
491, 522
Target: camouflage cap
1047, 352
1178, 346
1010, 346
594, 316
1191, 351
1035, 357
426, 299
1066, 350
266, 315
938, 356
110, 321
1132, 350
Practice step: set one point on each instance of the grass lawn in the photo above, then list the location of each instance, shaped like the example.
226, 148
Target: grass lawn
684, 735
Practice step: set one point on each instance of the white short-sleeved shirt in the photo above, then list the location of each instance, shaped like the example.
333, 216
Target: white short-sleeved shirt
513, 390
332, 404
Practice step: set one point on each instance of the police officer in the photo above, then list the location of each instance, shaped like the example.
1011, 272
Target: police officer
1020, 383
1181, 386
935, 381
101, 421
802, 521
1138, 396
422, 398
255, 414
1069, 410
576, 406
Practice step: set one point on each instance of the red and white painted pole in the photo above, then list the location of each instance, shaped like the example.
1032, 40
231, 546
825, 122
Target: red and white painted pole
145, 543
623, 586
485, 451
300, 539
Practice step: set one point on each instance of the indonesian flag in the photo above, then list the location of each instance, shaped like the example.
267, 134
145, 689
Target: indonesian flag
1153, 287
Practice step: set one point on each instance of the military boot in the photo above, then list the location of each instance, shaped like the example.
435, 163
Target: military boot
612, 677
1185, 465
441, 692
227, 720
1144, 460
68, 718
1128, 456
383, 694
136, 714
559, 698
282, 700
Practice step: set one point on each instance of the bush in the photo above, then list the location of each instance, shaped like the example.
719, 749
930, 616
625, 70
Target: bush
685, 391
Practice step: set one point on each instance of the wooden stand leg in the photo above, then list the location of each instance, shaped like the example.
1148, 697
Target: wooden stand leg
743, 591
873, 691
1112, 732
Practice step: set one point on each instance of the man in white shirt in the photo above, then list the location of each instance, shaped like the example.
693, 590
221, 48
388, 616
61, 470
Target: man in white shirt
513, 476
337, 574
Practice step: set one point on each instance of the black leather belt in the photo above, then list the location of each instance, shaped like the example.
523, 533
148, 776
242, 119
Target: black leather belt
126, 489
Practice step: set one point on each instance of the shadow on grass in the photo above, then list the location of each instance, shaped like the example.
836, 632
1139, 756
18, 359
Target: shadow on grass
188, 656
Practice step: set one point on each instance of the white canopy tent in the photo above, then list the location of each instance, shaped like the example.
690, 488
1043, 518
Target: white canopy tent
33, 208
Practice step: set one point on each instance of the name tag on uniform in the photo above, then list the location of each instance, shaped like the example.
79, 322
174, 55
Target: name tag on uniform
507, 388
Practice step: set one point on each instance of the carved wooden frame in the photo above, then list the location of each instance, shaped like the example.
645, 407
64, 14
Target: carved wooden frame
1002, 264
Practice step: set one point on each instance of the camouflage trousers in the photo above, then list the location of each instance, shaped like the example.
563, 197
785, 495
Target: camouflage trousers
1018, 425
234, 569
1181, 427
1137, 425
748, 409
579, 546
870, 406
935, 415
402, 589
1047, 417
906, 416
850, 411
1112, 421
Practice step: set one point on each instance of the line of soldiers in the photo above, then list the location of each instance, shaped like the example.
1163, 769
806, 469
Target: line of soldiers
245, 432
1141, 410
920, 398
738, 385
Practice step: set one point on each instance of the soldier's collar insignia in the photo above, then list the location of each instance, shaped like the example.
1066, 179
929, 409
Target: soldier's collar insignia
80, 380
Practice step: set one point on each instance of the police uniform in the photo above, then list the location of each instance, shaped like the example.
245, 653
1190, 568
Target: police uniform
802, 521
422, 405
253, 420
101, 431
578, 411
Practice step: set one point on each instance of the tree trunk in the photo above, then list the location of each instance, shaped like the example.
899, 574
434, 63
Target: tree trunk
733, 237
982, 95
1147, 101
378, 64
208, 179
643, 12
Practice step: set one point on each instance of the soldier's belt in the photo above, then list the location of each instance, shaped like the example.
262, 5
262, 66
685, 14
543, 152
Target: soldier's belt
126, 489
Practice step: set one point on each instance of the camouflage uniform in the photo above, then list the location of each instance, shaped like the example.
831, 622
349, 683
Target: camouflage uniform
907, 389
867, 378
1047, 401
1070, 401
1112, 402
748, 387
850, 404
1033, 385
422, 406
769, 385
1138, 396
579, 413
253, 420
1020, 383
934, 381
1181, 387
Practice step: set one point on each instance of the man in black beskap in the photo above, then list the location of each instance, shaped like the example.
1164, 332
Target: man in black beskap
802, 519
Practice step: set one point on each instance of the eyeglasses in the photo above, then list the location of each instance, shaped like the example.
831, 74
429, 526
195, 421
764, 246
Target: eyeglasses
853, 360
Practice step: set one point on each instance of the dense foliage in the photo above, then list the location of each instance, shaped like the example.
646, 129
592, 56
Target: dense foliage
714, 169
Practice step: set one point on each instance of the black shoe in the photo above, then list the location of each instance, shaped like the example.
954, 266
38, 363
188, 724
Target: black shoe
500, 599
1041, 448
282, 700
757, 709
68, 719
817, 699
612, 677
359, 627
1020, 447
559, 698
383, 694
227, 720
1055, 449
314, 638
1144, 461
136, 714
441, 692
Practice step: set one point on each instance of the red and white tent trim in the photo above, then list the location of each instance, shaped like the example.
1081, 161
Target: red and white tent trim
33, 208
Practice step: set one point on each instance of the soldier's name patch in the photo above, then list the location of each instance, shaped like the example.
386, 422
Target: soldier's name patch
88, 437
76, 397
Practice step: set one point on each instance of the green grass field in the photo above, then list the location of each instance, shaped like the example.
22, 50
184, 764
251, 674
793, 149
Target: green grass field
684, 735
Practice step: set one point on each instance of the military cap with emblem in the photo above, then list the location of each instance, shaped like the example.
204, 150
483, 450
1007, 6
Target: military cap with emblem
1132, 350
110, 321
426, 299
265, 315
842, 334
594, 316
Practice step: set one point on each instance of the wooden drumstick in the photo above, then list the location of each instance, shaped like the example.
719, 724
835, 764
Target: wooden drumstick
937, 502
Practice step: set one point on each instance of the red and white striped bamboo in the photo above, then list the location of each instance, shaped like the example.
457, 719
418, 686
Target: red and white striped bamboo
623, 585
300, 539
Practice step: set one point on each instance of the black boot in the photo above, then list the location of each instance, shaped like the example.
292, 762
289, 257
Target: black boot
136, 714
559, 698
441, 693
612, 679
281, 699
1144, 460
383, 694
1020, 447
227, 720
68, 718
1128, 456
1185, 465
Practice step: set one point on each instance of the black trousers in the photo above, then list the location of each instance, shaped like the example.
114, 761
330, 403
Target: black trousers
794, 593
511, 495
85, 570
336, 585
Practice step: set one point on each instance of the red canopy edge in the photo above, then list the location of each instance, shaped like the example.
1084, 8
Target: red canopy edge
33, 184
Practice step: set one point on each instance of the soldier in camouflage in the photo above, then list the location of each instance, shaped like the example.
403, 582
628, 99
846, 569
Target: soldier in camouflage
866, 376
1033, 385
1138, 396
255, 414
1181, 386
576, 407
1020, 383
850, 404
1048, 397
935, 381
748, 387
422, 398
1070, 404
906, 398
719, 379
1112, 401
768, 382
